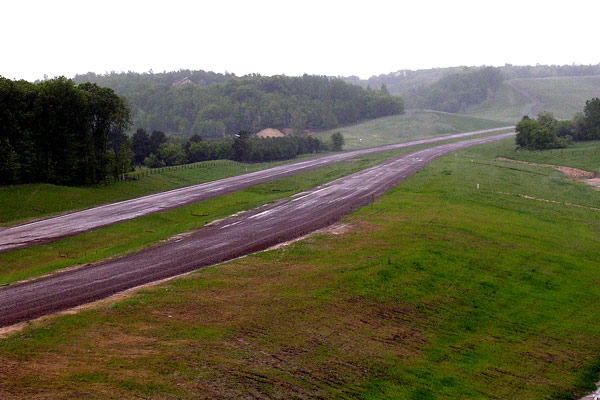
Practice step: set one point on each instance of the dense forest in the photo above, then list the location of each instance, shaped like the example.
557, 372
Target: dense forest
546, 132
215, 105
58, 132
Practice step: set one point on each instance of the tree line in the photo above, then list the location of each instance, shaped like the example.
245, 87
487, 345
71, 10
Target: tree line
157, 150
58, 132
546, 132
217, 106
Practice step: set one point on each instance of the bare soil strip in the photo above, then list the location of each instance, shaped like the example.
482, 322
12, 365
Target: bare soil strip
231, 238
70, 224
574, 173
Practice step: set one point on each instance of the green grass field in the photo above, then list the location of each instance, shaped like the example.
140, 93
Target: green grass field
562, 96
403, 128
582, 155
438, 290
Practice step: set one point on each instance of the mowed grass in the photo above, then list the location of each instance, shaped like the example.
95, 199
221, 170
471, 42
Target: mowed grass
410, 126
438, 290
22, 202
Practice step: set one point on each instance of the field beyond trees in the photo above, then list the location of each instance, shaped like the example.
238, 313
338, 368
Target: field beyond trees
459, 283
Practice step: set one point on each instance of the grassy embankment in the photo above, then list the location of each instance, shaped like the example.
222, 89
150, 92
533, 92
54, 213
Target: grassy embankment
22, 202
438, 290
419, 125
562, 96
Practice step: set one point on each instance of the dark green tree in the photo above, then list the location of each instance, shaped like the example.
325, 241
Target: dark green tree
592, 119
140, 145
157, 138
337, 141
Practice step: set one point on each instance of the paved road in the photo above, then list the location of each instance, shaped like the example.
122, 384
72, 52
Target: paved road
54, 228
230, 238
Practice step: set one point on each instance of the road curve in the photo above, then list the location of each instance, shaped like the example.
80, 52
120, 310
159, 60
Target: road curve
217, 242
54, 228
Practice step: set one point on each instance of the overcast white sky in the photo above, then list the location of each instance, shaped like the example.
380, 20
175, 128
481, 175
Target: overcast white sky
323, 37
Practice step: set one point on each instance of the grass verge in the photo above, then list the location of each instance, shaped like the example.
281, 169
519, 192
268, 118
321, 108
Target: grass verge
439, 290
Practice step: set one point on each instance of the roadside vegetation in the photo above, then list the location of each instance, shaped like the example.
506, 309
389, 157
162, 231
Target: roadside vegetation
157, 150
546, 132
439, 289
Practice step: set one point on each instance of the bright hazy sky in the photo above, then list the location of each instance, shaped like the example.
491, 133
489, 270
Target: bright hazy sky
323, 37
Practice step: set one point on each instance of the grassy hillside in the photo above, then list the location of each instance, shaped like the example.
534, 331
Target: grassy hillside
563, 96
438, 290
504, 105
410, 126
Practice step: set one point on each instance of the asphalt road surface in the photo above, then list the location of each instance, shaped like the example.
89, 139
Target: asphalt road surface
217, 242
54, 228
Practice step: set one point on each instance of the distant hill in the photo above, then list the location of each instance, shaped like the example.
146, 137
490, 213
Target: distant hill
500, 93
402, 81
216, 105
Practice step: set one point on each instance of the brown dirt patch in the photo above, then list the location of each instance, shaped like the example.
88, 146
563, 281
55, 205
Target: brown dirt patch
270, 132
573, 173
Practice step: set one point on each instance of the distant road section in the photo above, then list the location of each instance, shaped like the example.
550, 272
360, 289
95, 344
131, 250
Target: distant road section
54, 228
217, 242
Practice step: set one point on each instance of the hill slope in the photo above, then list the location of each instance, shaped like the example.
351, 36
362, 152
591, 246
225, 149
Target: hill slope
562, 96
410, 126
